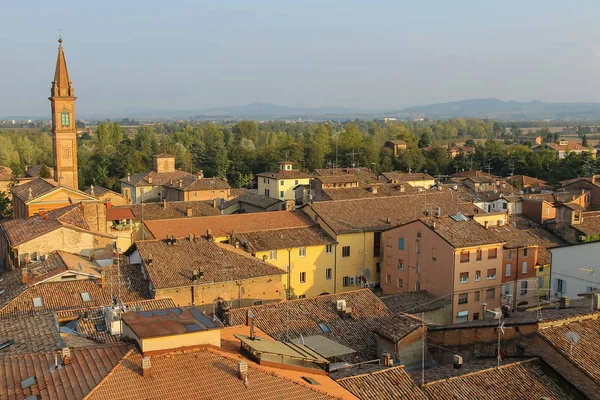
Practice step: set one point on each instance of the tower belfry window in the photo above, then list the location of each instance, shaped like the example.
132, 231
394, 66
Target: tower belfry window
64, 118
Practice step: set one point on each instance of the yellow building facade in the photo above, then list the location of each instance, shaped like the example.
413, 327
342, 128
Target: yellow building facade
280, 185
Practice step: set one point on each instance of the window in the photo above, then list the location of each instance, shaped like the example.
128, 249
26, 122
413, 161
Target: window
463, 298
348, 281
257, 303
281, 194
302, 252
302, 277
464, 256
525, 250
504, 206
507, 273
264, 180
433, 253
477, 276
273, 255
378, 267
507, 288
68, 277
490, 294
417, 286
476, 314
296, 182
418, 268
399, 283
541, 268
64, 118
523, 287
476, 296
387, 279
346, 251
324, 327
376, 244
560, 286
329, 249
418, 234
491, 273
38, 302
547, 211
85, 296
401, 244
328, 273
524, 267
540, 281
464, 277
508, 255
280, 183
401, 264
478, 255
492, 253
590, 289
418, 248
267, 192
302, 296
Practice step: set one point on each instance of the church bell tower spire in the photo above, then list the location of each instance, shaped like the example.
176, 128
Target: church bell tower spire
64, 134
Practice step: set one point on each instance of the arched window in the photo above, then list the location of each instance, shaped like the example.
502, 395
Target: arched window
64, 118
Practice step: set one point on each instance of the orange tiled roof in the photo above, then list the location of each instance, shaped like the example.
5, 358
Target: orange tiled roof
158, 178
172, 210
197, 374
88, 368
521, 380
300, 317
284, 238
386, 384
363, 173
285, 174
172, 266
584, 354
252, 198
345, 216
23, 230
223, 225
38, 186
193, 183
414, 302
31, 334
396, 176
67, 295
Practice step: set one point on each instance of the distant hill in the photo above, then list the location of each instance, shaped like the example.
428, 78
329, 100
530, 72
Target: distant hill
503, 110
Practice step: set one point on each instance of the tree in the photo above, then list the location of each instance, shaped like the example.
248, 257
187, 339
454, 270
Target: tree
556, 137
497, 130
45, 172
425, 140
5, 205
515, 130
470, 143
584, 141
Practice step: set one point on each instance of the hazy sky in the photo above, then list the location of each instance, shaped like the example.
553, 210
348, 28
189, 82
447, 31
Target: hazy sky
364, 54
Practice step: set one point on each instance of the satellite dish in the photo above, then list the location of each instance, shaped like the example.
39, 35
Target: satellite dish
572, 337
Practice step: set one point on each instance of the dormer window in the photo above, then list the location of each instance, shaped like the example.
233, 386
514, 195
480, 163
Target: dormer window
64, 118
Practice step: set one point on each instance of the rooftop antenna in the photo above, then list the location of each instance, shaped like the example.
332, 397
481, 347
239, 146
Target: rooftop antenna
489, 168
572, 338
353, 153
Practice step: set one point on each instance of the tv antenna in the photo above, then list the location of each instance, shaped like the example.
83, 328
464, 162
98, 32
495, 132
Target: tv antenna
353, 153
572, 338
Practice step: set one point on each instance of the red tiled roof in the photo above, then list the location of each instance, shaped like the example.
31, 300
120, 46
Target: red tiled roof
197, 373
31, 334
158, 178
172, 266
363, 173
223, 225
521, 380
395, 176
117, 213
285, 238
38, 186
88, 368
172, 210
386, 384
300, 317
193, 183
286, 174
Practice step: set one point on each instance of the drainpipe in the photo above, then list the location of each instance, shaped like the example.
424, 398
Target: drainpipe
289, 274
335, 268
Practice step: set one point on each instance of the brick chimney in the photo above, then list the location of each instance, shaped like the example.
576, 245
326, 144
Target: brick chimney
128, 177
486, 224
146, 364
200, 174
149, 179
164, 203
24, 276
188, 211
66, 355
102, 279
243, 371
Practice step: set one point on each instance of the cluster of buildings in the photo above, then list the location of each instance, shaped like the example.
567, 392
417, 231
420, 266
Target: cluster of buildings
332, 284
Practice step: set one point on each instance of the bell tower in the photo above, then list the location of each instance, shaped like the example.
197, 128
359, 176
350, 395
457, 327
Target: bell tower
64, 134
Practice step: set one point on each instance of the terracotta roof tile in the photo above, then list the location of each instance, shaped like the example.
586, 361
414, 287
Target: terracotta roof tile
285, 174
363, 173
584, 354
31, 334
34, 171
285, 238
398, 327
223, 225
461, 233
193, 183
414, 302
158, 178
207, 375
521, 380
396, 176
365, 191
67, 295
300, 317
89, 366
172, 266
99, 191
386, 384
173, 209
253, 199
38, 186
345, 178
346, 216
590, 225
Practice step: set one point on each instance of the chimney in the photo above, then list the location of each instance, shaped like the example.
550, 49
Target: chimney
41, 212
30, 195
66, 355
201, 174
146, 373
164, 203
180, 183
582, 191
24, 276
264, 258
250, 318
192, 237
149, 179
92, 190
45, 216
243, 371
387, 359
188, 211
237, 244
388, 220
486, 224
128, 177
214, 203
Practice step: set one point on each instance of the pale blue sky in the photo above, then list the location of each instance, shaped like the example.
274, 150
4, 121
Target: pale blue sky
359, 54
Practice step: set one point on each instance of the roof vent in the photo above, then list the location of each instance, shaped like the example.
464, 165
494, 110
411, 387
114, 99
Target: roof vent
243, 372
146, 367
340, 305
25, 383
66, 356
